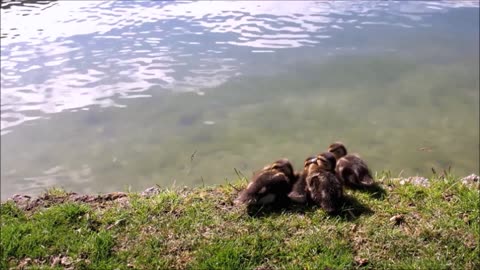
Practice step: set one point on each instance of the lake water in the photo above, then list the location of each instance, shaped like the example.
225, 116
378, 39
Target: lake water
106, 96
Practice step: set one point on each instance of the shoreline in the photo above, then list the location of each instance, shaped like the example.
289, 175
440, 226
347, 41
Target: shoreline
468, 180
418, 222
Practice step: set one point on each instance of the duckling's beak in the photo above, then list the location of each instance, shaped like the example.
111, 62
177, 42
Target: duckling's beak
310, 161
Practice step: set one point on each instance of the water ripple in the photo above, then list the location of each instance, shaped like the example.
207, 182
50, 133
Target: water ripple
59, 55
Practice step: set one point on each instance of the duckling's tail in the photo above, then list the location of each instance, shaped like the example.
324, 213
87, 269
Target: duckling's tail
367, 181
259, 186
245, 196
330, 202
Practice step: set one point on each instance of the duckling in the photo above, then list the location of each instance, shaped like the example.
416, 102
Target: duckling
351, 169
299, 192
270, 185
324, 188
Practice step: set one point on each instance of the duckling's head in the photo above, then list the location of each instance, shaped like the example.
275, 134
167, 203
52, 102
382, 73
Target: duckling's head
326, 161
337, 149
283, 165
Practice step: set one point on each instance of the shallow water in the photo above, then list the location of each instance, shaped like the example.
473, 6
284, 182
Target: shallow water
106, 96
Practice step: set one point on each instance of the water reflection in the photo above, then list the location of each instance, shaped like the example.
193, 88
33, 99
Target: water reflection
92, 58
41, 4
65, 56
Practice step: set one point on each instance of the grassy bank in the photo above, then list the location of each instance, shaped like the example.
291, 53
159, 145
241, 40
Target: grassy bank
406, 227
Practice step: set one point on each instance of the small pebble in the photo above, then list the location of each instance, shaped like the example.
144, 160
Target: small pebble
471, 179
397, 219
150, 191
416, 180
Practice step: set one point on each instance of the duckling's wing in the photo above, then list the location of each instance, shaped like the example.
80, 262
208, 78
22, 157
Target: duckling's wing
279, 183
315, 187
298, 193
346, 172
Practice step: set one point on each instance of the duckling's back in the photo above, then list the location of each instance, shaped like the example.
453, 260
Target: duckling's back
325, 190
354, 172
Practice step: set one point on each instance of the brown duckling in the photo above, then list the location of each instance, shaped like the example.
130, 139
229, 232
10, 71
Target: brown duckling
269, 185
324, 188
351, 169
299, 190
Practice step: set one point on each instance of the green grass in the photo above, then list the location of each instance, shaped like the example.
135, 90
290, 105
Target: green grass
201, 229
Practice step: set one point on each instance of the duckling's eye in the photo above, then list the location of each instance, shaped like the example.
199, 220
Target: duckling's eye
323, 161
276, 167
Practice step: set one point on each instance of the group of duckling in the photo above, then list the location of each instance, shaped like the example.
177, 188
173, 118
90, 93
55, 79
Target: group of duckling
321, 182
